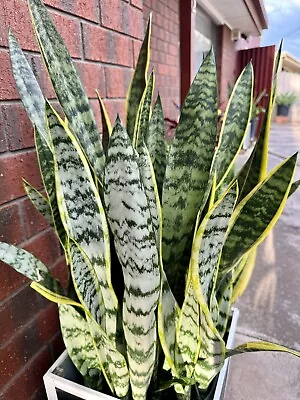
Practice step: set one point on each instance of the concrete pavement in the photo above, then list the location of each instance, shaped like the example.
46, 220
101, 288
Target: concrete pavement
270, 307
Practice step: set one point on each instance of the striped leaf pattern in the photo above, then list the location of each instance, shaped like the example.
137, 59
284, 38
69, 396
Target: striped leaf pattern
210, 238
39, 201
188, 331
144, 113
86, 283
295, 186
82, 212
188, 169
28, 87
138, 83
235, 123
130, 221
259, 210
149, 184
156, 144
112, 361
26, 264
46, 166
79, 343
67, 85
212, 352
225, 302
242, 274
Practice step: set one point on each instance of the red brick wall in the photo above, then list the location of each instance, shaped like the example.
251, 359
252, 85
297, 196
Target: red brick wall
103, 37
165, 51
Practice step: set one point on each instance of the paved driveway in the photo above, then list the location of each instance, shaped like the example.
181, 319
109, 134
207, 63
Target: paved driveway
270, 308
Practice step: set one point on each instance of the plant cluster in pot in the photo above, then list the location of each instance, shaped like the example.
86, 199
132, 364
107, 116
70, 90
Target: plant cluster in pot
284, 102
159, 243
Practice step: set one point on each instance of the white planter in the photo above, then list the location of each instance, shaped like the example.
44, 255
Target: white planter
56, 385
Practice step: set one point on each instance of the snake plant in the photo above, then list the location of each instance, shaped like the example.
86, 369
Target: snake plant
158, 242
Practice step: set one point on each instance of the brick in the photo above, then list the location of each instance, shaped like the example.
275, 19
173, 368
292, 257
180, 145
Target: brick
87, 9
11, 230
30, 378
121, 17
115, 107
17, 310
12, 168
16, 15
44, 246
27, 342
16, 126
117, 81
92, 77
8, 89
137, 3
33, 220
10, 281
69, 28
103, 45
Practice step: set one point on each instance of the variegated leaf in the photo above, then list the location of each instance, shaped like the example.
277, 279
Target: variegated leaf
235, 123
46, 166
225, 301
188, 330
81, 210
67, 85
138, 82
106, 125
26, 264
149, 184
144, 114
251, 347
112, 361
188, 170
79, 343
39, 201
131, 224
156, 144
212, 351
255, 216
86, 283
28, 87
255, 169
210, 238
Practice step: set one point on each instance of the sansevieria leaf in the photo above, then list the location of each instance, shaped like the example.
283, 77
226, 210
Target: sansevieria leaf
26, 264
131, 224
138, 82
39, 201
67, 85
112, 361
156, 144
235, 123
81, 210
260, 346
106, 125
144, 113
79, 343
86, 282
188, 169
255, 216
28, 87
